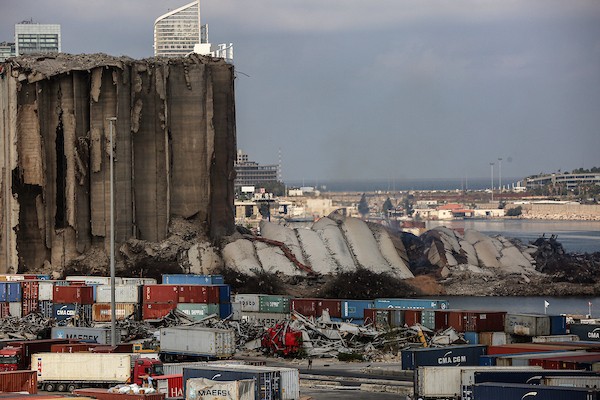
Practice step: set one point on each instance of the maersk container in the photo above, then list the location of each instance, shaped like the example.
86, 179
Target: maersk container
62, 312
198, 311
354, 309
266, 319
274, 304
554, 338
159, 294
89, 335
208, 389
10, 292
504, 391
192, 279
248, 302
463, 355
527, 324
289, 379
428, 318
267, 382
412, 304
586, 331
558, 324
197, 342
123, 294
102, 312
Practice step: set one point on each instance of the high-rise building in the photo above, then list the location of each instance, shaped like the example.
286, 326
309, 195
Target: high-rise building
37, 38
7, 50
250, 173
179, 32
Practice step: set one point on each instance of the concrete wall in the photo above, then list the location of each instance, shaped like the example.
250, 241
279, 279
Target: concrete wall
174, 146
589, 212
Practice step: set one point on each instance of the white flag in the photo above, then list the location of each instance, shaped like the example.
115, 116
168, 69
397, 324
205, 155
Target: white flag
546, 304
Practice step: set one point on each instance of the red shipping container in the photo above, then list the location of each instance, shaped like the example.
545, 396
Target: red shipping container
71, 348
73, 294
153, 311
104, 394
470, 321
29, 306
4, 310
333, 306
306, 307
30, 290
412, 317
173, 387
197, 294
160, 294
18, 381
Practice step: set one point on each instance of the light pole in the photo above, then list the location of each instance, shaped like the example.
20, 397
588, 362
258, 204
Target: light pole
500, 178
113, 316
492, 168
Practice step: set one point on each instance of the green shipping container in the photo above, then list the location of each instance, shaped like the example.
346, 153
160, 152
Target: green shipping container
428, 319
198, 311
274, 304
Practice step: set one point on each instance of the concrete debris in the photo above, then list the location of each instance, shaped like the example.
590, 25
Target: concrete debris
28, 327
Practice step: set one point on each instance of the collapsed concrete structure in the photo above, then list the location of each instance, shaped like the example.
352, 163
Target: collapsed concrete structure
174, 146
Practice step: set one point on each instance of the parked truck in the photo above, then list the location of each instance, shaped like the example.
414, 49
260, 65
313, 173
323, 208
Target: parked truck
69, 371
187, 343
17, 354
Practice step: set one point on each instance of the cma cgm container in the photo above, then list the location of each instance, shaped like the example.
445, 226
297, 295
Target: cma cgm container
527, 324
196, 342
274, 304
470, 321
159, 294
412, 304
355, 309
586, 331
504, 391
73, 294
192, 279
62, 312
123, 294
464, 355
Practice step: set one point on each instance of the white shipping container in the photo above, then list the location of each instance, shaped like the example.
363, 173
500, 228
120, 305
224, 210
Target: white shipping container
123, 294
266, 319
45, 290
102, 367
289, 379
93, 280
138, 281
177, 368
16, 309
447, 382
555, 338
206, 389
196, 341
573, 381
236, 312
248, 302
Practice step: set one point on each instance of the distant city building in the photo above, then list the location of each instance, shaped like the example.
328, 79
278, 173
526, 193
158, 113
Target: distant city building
250, 173
179, 32
37, 38
7, 50
571, 181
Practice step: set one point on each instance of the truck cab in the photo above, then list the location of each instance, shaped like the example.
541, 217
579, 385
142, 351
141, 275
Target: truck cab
11, 358
143, 367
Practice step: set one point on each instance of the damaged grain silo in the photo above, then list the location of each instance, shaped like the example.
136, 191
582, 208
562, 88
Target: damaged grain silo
174, 146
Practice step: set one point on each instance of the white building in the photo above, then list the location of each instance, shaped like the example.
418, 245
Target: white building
37, 38
179, 32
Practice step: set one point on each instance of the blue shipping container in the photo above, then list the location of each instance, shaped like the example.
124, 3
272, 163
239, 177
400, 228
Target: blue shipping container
10, 292
412, 304
558, 325
533, 377
62, 312
225, 310
472, 337
355, 309
503, 391
224, 293
192, 279
449, 356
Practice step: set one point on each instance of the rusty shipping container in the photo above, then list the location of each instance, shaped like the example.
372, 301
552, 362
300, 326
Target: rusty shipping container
30, 290
101, 312
306, 307
104, 394
29, 306
73, 295
412, 317
160, 294
71, 347
470, 321
334, 307
197, 294
18, 381
153, 311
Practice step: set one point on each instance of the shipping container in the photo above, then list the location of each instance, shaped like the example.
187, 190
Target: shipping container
385, 318
274, 304
29, 306
428, 318
472, 337
306, 307
527, 324
10, 292
177, 368
198, 311
554, 339
123, 294
170, 385
248, 302
73, 294
558, 324
139, 281
71, 347
412, 317
266, 382
289, 383
15, 309
412, 304
355, 309
155, 311
46, 308
533, 377
192, 279
334, 307
93, 280
160, 294
197, 294
463, 355
207, 389
572, 381
515, 348
30, 290
504, 391
470, 321
586, 331
45, 290
266, 319
4, 310
18, 381
62, 312
524, 359
104, 394
494, 338
102, 312
91, 335
225, 310
11, 277
197, 342
224, 293
583, 361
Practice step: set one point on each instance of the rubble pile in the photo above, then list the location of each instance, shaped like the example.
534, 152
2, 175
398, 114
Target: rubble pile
28, 327
552, 260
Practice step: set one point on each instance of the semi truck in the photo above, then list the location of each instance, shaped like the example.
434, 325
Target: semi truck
65, 372
17, 354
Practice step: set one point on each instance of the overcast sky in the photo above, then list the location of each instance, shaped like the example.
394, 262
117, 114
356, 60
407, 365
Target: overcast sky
383, 88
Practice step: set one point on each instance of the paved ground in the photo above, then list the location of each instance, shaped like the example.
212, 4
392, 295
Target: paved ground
328, 394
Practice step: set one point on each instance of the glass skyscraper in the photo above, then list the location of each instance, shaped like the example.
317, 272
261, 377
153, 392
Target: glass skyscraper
178, 31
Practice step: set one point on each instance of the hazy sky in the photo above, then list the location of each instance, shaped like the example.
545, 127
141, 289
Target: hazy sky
383, 88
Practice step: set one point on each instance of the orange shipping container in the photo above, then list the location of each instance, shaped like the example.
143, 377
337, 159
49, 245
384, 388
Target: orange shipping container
18, 381
101, 312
